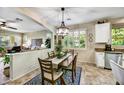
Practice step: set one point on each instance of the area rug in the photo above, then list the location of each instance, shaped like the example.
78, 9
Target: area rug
67, 78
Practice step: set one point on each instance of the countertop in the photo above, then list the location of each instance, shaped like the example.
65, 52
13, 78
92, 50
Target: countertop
115, 50
25, 51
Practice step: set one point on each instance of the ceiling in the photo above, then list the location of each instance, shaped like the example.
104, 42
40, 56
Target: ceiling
79, 14
27, 25
73, 15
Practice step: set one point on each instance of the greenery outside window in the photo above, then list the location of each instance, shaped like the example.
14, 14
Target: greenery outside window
4, 41
75, 39
118, 36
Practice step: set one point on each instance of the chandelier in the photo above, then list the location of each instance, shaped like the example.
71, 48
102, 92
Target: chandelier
62, 30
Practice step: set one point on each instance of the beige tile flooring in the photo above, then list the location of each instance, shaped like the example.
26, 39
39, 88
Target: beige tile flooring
91, 75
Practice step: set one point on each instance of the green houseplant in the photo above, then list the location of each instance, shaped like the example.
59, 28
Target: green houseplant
48, 43
2, 51
5, 60
5, 57
59, 50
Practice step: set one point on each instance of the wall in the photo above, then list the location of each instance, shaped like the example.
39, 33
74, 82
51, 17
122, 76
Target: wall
36, 35
86, 55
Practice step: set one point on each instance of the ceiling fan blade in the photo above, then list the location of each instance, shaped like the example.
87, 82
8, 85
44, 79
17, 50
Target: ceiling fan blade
18, 19
10, 21
12, 28
3, 24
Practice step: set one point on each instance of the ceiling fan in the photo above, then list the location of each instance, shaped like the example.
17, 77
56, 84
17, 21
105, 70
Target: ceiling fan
8, 23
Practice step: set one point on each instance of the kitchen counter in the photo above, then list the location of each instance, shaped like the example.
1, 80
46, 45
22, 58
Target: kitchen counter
24, 62
99, 49
115, 50
103, 57
25, 51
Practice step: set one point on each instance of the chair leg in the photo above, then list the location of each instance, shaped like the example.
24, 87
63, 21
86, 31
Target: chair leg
72, 77
75, 72
42, 81
53, 82
65, 71
62, 81
117, 83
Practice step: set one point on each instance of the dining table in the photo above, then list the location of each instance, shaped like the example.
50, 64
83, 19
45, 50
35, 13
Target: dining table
64, 61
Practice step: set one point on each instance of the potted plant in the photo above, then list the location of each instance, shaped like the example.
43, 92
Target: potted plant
59, 50
48, 43
6, 59
2, 51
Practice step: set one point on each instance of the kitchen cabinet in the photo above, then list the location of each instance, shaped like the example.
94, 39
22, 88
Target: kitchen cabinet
100, 60
103, 58
103, 33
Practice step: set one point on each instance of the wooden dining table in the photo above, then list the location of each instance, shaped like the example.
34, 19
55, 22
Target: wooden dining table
64, 61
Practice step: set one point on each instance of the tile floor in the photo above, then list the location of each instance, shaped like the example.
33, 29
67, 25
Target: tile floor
91, 75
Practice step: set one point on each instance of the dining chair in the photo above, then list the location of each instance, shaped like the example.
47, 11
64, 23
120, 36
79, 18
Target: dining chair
48, 73
51, 54
71, 51
118, 72
72, 67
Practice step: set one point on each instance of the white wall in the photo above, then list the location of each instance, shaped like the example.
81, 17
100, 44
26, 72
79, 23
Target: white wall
86, 55
36, 35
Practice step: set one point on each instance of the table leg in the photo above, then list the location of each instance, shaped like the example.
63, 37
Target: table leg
62, 81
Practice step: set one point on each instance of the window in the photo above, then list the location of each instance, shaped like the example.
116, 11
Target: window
4, 41
10, 41
75, 39
118, 36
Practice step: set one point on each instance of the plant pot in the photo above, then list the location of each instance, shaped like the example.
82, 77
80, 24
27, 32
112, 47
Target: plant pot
7, 71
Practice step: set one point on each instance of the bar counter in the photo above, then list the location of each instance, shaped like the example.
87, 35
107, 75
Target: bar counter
24, 62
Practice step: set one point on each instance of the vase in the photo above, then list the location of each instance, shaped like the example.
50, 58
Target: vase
7, 71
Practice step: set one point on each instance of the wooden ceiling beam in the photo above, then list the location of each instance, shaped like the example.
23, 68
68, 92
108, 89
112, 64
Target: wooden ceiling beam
36, 17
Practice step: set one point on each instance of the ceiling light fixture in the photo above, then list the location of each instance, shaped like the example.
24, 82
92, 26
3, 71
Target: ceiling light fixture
62, 30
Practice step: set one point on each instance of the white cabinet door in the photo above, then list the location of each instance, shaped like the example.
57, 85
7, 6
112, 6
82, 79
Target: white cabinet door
102, 33
100, 59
